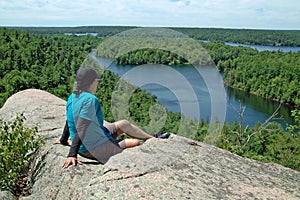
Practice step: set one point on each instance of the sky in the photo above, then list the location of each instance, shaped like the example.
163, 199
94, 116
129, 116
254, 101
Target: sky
253, 14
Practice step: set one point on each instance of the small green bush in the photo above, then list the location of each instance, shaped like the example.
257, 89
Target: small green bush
17, 144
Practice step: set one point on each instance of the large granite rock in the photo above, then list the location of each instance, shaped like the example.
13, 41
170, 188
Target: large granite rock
176, 168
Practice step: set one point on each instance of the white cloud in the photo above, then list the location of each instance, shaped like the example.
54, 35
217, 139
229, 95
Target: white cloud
200, 13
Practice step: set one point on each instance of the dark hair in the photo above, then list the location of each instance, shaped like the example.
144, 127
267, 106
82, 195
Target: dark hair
85, 76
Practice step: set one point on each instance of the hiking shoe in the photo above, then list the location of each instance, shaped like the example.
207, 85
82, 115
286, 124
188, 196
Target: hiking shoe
162, 135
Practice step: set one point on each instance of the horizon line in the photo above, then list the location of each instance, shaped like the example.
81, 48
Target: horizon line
144, 26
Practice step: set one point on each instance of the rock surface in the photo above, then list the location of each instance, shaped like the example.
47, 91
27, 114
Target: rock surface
177, 168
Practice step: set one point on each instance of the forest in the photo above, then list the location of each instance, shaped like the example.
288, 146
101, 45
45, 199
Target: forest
245, 36
46, 62
242, 36
151, 56
271, 74
49, 62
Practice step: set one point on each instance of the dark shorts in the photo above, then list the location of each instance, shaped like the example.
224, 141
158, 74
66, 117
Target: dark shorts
112, 129
104, 151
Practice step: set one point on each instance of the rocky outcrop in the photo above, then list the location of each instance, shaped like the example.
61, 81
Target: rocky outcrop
176, 168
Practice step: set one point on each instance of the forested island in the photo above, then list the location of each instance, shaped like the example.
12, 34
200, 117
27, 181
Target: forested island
49, 62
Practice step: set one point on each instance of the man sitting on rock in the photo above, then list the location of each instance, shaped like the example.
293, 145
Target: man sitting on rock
91, 136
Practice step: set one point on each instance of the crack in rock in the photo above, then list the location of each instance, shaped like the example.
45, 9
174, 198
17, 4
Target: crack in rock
133, 175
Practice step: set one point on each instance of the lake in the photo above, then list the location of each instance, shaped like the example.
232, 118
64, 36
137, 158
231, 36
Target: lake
197, 101
266, 48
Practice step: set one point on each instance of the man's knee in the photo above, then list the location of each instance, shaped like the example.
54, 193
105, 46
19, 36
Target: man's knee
124, 122
122, 126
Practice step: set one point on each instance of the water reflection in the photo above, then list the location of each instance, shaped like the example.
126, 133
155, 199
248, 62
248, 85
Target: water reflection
257, 109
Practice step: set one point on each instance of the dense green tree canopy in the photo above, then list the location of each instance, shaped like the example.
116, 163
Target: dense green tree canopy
270, 74
245, 36
49, 62
46, 62
242, 36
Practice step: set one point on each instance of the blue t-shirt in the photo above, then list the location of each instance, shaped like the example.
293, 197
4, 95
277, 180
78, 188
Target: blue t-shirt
87, 106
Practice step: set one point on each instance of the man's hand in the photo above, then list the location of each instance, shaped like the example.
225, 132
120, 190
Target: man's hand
71, 161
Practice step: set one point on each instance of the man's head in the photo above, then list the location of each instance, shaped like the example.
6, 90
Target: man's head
85, 77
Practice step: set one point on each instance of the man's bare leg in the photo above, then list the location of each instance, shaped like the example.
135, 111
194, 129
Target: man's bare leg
124, 126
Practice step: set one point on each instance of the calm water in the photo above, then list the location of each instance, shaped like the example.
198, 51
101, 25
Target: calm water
266, 48
176, 95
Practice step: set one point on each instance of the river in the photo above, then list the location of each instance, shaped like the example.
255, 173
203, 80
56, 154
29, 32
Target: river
266, 48
257, 109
